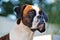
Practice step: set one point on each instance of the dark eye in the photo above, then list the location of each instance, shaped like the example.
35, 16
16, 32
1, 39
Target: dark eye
40, 12
31, 13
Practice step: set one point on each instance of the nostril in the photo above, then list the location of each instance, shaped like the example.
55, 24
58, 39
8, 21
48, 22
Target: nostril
41, 21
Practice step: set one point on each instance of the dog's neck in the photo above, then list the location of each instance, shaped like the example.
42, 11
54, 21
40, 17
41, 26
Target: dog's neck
21, 32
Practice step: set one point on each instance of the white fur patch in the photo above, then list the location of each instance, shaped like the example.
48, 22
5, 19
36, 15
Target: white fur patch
35, 20
36, 8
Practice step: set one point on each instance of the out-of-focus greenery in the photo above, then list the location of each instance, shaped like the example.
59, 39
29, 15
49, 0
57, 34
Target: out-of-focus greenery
53, 10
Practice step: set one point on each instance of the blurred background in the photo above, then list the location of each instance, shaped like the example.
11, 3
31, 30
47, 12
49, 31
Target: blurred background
8, 16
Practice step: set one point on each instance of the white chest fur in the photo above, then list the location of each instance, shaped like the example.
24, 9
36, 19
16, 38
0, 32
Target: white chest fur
21, 32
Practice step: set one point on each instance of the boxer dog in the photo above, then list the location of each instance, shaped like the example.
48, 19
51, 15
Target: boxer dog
30, 19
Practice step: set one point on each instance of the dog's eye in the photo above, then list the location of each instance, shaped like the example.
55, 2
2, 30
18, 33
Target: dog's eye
31, 13
40, 12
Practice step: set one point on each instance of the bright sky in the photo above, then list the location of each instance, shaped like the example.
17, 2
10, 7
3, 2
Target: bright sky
49, 1
5, 0
0, 10
36, 1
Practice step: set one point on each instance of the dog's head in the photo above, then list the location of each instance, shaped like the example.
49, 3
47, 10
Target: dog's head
32, 16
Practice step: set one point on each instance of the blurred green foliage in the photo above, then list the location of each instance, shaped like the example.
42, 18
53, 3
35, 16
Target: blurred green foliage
53, 10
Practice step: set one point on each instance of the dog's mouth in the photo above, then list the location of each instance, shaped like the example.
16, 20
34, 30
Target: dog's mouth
40, 27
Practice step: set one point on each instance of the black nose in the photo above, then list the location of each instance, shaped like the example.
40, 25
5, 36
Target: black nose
41, 21
40, 17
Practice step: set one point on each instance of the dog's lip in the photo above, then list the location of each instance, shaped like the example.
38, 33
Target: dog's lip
41, 28
40, 25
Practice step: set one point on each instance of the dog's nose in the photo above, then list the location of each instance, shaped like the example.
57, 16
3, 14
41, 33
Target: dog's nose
41, 21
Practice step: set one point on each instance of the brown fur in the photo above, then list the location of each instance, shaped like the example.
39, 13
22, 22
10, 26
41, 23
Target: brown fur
6, 37
27, 8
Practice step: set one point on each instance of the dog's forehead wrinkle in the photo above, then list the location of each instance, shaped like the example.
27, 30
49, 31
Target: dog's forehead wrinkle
36, 8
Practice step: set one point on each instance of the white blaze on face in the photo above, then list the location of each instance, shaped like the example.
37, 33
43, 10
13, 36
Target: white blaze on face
35, 20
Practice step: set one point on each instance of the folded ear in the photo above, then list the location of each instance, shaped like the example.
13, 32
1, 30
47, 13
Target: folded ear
19, 12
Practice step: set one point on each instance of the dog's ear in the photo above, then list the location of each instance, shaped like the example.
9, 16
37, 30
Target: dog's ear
19, 12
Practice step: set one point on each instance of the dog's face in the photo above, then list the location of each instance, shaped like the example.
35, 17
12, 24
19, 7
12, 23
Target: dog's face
32, 16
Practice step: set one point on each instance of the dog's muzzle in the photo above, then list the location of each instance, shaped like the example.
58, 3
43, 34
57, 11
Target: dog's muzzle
40, 28
40, 25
